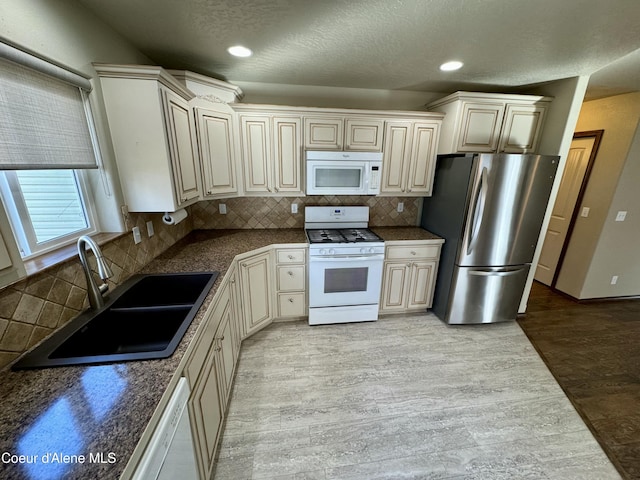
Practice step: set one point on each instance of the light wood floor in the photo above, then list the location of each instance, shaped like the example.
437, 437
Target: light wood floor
404, 397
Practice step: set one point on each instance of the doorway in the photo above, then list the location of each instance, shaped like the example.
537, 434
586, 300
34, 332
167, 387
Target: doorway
566, 209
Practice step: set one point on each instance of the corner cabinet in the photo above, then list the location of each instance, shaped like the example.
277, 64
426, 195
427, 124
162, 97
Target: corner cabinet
256, 286
409, 275
154, 137
410, 149
489, 123
291, 280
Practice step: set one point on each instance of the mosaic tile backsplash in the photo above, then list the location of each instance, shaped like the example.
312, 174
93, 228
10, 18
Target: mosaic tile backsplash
275, 212
35, 307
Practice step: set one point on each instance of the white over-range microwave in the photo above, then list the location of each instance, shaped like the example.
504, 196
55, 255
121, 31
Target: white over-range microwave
343, 173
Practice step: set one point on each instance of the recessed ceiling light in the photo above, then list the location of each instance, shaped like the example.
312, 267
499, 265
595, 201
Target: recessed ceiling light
451, 66
239, 51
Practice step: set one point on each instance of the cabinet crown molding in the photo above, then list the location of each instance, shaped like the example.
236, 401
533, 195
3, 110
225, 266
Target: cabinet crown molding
227, 92
143, 72
499, 97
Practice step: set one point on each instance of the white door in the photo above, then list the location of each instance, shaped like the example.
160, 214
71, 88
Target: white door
577, 162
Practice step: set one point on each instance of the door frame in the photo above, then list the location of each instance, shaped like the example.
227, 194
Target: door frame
597, 136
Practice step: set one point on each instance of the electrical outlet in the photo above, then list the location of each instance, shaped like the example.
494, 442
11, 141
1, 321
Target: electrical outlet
294, 208
400, 207
222, 208
621, 216
150, 230
137, 238
614, 279
585, 212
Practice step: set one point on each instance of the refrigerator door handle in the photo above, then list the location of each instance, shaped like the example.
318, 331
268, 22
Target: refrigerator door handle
478, 209
493, 273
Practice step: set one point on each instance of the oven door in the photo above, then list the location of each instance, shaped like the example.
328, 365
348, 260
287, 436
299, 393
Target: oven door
337, 178
345, 280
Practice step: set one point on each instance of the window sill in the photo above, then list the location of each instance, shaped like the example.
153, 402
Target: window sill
51, 259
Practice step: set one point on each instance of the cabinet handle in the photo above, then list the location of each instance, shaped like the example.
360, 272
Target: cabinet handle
290, 257
290, 273
222, 338
290, 300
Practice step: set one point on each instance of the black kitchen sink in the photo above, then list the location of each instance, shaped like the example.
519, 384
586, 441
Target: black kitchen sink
144, 318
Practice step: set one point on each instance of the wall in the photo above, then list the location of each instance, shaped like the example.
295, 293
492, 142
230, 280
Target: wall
336, 97
275, 212
600, 247
559, 125
67, 34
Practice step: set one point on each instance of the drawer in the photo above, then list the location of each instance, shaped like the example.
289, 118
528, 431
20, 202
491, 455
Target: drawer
412, 252
291, 255
291, 277
291, 305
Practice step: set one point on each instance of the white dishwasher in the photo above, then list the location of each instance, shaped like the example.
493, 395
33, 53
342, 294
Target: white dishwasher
169, 454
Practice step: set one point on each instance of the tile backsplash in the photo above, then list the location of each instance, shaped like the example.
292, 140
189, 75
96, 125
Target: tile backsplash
33, 308
275, 212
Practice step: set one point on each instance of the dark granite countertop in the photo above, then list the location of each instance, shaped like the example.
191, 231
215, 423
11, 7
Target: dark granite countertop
101, 411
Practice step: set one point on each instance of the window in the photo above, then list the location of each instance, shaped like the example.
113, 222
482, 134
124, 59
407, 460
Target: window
46, 138
47, 208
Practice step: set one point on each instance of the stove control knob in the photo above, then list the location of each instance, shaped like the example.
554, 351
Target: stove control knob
363, 250
332, 251
371, 250
323, 251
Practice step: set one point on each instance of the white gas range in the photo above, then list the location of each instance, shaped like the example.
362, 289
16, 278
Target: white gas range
345, 265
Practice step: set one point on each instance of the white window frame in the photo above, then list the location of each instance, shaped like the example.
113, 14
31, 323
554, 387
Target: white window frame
21, 221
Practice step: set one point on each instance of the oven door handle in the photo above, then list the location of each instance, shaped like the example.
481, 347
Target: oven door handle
347, 258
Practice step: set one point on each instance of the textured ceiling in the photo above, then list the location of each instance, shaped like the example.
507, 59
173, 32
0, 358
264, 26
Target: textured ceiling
390, 44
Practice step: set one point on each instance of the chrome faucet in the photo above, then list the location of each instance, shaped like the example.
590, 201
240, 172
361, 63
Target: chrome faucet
94, 291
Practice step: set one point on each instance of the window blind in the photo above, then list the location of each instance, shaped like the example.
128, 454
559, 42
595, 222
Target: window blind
43, 118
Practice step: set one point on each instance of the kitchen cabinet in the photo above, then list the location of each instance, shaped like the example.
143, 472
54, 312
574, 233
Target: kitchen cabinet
154, 137
216, 144
409, 160
409, 275
257, 291
489, 123
343, 133
291, 279
271, 148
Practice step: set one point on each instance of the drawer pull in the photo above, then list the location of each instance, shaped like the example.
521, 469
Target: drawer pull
290, 257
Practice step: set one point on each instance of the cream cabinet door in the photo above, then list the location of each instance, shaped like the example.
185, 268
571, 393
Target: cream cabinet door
522, 128
184, 157
395, 281
206, 414
423, 158
420, 294
363, 135
480, 127
256, 153
255, 274
215, 139
397, 151
323, 133
287, 146
227, 354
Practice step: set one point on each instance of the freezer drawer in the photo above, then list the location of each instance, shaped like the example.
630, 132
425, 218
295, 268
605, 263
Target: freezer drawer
485, 295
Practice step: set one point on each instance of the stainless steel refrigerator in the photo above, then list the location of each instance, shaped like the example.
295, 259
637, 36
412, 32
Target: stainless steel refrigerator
489, 209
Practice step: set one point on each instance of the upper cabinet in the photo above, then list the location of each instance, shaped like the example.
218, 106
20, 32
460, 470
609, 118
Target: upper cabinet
271, 151
328, 132
216, 143
409, 157
154, 137
489, 123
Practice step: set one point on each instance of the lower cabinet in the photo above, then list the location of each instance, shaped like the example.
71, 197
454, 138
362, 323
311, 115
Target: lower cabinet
291, 280
257, 291
210, 372
409, 275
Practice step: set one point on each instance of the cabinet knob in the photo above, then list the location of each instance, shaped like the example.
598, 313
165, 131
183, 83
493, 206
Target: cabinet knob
290, 257
290, 300
277, 189
412, 252
244, 265
290, 273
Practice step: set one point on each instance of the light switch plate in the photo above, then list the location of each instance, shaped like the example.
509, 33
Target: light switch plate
150, 230
400, 207
621, 216
222, 208
585, 212
294, 208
